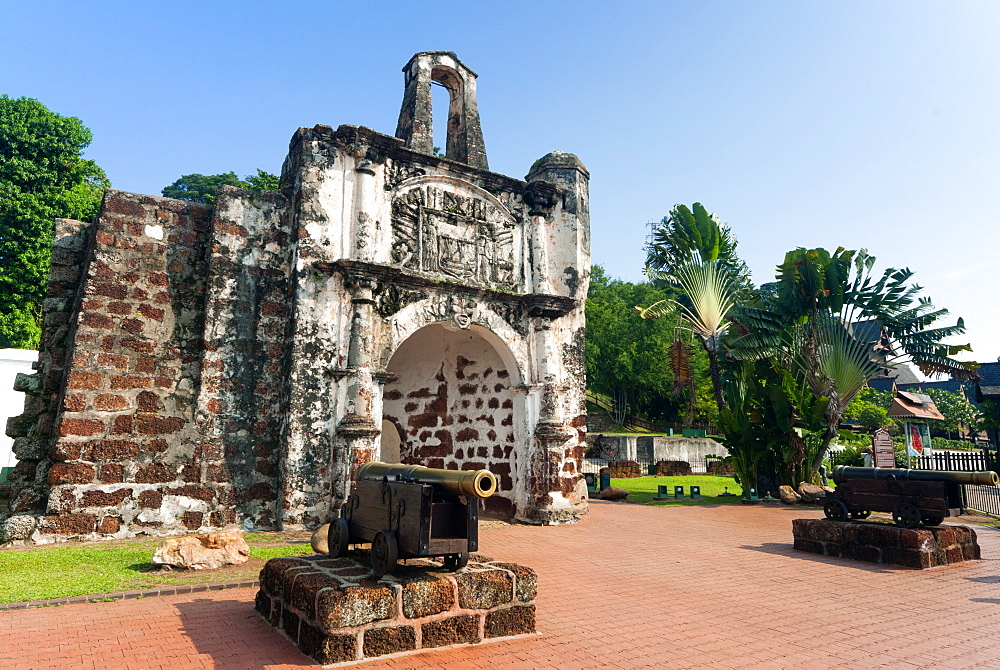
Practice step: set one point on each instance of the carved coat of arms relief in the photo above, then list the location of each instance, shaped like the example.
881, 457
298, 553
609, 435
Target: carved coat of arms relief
442, 230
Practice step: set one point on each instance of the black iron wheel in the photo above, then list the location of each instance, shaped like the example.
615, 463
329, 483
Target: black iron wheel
456, 561
906, 515
385, 552
338, 537
932, 520
861, 514
835, 510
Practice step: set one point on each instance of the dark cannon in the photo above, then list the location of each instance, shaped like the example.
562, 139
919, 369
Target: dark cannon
912, 496
410, 511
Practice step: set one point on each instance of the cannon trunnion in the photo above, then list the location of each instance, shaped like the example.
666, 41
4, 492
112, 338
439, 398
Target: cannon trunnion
408, 511
912, 496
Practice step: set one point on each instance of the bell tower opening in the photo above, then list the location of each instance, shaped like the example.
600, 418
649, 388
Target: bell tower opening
464, 134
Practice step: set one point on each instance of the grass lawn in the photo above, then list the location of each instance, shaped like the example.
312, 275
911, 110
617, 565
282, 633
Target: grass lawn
642, 489
44, 573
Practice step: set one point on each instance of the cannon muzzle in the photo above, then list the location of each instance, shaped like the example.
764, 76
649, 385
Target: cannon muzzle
844, 473
477, 483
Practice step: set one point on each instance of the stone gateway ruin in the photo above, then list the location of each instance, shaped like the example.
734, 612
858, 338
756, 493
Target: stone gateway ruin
210, 365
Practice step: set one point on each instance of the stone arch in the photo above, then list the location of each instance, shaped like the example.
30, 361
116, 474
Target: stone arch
453, 397
450, 80
454, 312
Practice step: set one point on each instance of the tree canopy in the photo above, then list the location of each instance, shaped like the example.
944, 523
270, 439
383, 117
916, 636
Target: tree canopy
202, 188
628, 357
43, 176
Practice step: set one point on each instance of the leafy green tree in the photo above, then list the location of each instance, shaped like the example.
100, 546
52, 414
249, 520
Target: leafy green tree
810, 328
43, 176
627, 357
202, 188
869, 415
959, 414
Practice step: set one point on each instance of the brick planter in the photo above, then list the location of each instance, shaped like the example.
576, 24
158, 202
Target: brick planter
880, 543
335, 612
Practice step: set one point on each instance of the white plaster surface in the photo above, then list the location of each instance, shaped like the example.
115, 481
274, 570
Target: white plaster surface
12, 361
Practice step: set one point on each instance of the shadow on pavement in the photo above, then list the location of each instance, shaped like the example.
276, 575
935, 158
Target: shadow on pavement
790, 552
212, 626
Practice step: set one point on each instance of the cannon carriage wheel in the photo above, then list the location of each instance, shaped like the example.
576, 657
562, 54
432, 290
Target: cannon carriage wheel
385, 552
338, 537
906, 515
861, 514
456, 561
835, 510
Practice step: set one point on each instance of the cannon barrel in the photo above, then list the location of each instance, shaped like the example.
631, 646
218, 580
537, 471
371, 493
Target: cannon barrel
843, 473
477, 483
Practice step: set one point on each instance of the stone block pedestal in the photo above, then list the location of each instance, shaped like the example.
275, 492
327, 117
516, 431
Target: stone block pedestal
336, 612
881, 543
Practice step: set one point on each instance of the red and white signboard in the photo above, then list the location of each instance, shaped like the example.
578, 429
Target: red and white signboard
883, 450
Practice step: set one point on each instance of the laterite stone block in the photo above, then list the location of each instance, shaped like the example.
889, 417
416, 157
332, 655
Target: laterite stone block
335, 611
918, 548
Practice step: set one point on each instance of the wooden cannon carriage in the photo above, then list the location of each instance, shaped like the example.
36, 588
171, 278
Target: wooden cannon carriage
411, 511
912, 496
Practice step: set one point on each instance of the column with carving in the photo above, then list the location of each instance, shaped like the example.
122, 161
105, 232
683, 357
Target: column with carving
357, 426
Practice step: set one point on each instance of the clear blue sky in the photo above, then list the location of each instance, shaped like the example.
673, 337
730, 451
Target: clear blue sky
852, 124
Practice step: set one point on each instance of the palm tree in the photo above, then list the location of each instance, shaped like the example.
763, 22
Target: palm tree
810, 328
687, 231
711, 292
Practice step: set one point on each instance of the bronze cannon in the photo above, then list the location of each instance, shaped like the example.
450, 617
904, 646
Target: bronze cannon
912, 496
411, 511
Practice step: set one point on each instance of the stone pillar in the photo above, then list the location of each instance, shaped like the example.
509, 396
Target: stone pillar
358, 426
364, 233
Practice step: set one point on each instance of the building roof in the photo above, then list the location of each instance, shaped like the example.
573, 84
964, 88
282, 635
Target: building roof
904, 374
908, 405
869, 331
988, 385
883, 384
952, 386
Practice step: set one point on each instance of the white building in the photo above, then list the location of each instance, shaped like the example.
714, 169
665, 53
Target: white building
12, 361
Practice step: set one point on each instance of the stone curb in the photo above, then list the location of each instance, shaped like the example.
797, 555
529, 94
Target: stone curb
131, 595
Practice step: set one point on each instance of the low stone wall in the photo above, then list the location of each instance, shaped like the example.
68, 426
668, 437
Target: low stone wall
623, 469
719, 468
335, 612
673, 468
880, 543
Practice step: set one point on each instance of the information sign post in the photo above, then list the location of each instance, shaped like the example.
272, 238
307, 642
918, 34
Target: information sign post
882, 449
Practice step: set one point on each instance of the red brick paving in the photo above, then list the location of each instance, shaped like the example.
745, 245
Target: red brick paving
632, 586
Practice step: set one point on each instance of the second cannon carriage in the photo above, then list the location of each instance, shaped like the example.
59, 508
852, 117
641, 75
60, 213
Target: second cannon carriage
913, 496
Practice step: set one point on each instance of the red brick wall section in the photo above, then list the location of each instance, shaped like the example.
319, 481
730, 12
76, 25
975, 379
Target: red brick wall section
125, 421
33, 430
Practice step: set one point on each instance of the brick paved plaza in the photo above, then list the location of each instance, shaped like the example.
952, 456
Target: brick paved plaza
632, 586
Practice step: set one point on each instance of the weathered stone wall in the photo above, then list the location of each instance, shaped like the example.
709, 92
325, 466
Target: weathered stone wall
204, 366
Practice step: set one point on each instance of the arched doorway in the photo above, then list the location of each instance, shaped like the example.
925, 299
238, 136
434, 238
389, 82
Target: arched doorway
453, 406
